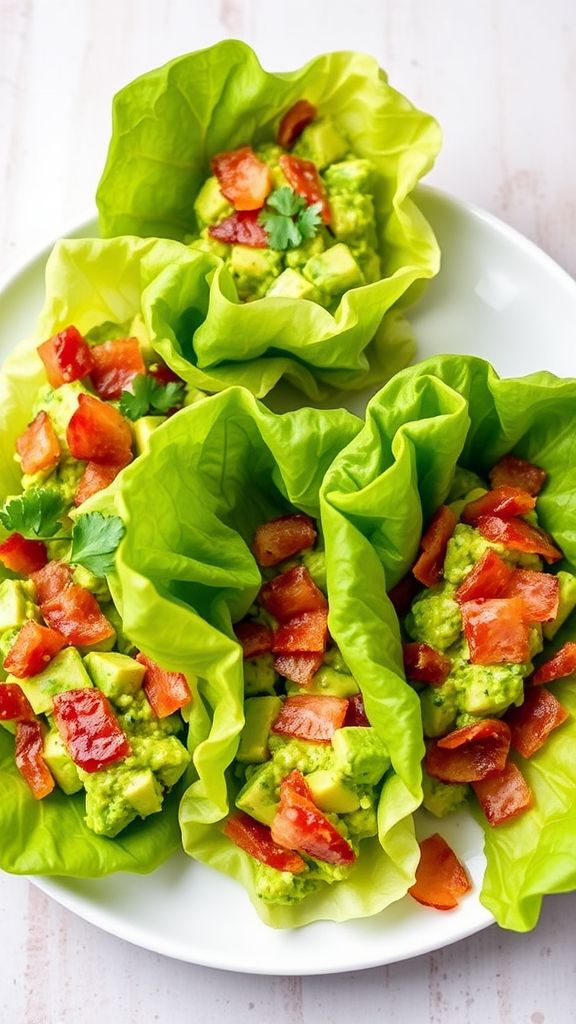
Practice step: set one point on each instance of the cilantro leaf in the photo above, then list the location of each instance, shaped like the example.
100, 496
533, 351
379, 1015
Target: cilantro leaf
166, 396
36, 513
286, 201
95, 538
282, 231
309, 220
288, 220
148, 393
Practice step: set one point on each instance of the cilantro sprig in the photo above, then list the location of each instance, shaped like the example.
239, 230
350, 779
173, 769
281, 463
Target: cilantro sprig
35, 514
288, 220
95, 538
150, 394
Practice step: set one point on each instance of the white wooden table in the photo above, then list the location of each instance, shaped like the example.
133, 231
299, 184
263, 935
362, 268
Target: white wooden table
501, 78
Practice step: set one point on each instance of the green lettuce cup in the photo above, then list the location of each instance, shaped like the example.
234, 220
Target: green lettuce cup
185, 573
168, 124
449, 411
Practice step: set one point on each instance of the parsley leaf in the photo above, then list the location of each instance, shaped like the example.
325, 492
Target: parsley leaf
288, 220
309, 220
36, 513
148, 393
95, 538
286, 201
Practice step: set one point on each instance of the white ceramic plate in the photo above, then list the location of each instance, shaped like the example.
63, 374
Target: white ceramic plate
497, 296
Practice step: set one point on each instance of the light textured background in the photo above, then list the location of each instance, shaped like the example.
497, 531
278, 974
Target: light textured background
501, 78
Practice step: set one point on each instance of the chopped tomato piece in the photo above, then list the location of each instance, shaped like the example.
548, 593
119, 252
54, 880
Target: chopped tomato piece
32, 649
505, 502
496, 630
469, 754
514, 472
66, 357
423, 664
404, 593
304, 178
75, 612
116, 363
519, 535
308, 717
89, 728
282, 538
166, 691
299, 825
50, 580
164, 374
503, 796
434, 542
487, 579
97, 432
29, 758
294, 122
243, 178
441, 880
356, 712
532, 723
256, 839
292, 593
540, 593
21, 555
241, 229
562, 664
307, 633
299, 668
38, 446
94, 478
255, 638
14, 704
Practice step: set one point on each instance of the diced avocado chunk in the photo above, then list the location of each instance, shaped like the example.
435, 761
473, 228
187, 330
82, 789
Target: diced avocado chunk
442, 798
464, 481
258, 796
352, 216
488, 690
333, 657
259, 714
439, 708
566, 604
334, 271
65, 672
292, 285
360, 754
60, 763
363, 822
435, 617
349, 176
331, 794
107, 809
315, 561
253, 269
322, 143
329, 682
259, 675
108, 330
97, 585
143, 792
7, 638
167, 758
269, 153
16, 604
299, 256
143, 430
60, 404
368, 260
211, 206
116, 675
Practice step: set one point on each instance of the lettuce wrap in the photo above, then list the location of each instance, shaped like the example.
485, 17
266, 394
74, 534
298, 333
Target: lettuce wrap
166, 127
455, 410
213, 473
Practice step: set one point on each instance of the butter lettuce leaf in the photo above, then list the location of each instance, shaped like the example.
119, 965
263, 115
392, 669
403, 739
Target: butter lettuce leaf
456, 410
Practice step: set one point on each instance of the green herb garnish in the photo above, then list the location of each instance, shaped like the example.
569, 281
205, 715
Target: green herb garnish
150, 394
288, 220
95, 538
36, 513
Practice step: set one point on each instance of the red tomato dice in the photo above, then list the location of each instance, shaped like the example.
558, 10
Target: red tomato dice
298, 668
29, 758
164, 374
428, 567
308, 717
489, 578
282, 538
241, 229
519, 535
503, 796
50, 580
38, 446
532, 723
76, 614
404, 593
514, 472
307, 633
540, 593
256, 839
66, 357
21, 555
14, 704
562, 664
89, 728
304, 178
294, 122
356, 712
441, 880
469, 754
255, 638
244, 180
292, 593
505, 502
95, 478
423, 664
496, 630
299, 825
97, 432
166, 691
116, 363
32, 649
